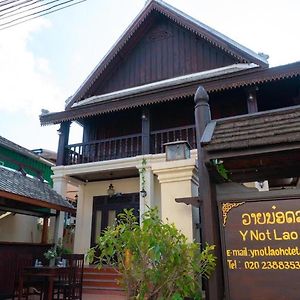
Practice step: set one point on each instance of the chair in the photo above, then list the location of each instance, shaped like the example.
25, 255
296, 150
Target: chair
30, 286
70, 283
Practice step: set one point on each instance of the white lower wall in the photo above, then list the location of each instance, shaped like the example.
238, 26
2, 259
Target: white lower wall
19, 228
85, 207
170, 180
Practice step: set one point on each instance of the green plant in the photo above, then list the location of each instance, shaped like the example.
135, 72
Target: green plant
57, 251
50, 254
60, 249
142, 174
223, 172
155, 259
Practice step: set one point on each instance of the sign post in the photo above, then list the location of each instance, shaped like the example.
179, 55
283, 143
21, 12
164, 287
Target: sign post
261, 249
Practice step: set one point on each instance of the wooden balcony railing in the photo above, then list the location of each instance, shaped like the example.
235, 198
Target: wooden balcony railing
119, 147
127, 146
159, 137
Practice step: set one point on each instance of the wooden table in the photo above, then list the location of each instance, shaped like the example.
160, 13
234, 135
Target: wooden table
46, 273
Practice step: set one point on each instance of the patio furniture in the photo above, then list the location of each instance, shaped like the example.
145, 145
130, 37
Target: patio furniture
44, 274
70, 284
30, 285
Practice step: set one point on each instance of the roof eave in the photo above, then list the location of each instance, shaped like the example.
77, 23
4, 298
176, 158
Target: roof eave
234, 80
36, 202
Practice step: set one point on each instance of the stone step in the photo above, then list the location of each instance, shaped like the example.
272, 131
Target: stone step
105, 279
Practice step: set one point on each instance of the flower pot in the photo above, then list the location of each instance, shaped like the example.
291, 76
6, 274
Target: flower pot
52, 262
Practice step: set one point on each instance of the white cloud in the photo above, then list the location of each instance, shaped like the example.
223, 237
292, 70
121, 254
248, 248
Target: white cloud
28, 82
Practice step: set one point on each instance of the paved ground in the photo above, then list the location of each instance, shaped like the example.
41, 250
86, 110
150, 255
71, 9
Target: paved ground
102, 297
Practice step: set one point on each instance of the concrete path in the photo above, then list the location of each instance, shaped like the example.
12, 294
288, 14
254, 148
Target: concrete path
102, 297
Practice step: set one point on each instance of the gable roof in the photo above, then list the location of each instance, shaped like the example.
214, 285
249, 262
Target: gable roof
243, 54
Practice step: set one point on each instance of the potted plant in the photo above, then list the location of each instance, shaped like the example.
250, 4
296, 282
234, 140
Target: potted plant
61, 249
56, 252
51, 255
154, 259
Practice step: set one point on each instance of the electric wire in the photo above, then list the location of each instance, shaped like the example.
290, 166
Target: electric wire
38, 14
4, 16
6, 2
15, 5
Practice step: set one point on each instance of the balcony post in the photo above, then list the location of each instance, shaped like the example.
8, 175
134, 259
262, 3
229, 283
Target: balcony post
252, 100
62, 142
145, 131
207, 193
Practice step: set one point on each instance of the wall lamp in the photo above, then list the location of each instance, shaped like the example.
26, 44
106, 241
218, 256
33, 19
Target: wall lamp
110, 190
143, 193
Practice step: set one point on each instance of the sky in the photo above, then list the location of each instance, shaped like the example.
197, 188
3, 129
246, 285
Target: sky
44, 61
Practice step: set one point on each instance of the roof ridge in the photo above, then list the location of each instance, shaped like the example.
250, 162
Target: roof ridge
214, 31
70, 99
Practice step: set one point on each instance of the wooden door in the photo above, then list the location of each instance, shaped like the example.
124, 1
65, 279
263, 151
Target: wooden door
106, 210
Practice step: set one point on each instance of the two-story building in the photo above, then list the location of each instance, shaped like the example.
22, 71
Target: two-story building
139, 97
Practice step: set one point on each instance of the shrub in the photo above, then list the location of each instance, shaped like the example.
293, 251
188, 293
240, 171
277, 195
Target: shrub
155, 259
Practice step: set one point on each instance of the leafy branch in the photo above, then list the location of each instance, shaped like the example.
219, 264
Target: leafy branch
142, 173
223, 172
155, 259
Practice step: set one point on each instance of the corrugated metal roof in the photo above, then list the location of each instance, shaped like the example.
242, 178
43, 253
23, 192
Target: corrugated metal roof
166, 83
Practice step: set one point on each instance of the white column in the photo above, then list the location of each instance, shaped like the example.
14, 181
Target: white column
79, 244
146, 183
148, 201
60, 186
177, 180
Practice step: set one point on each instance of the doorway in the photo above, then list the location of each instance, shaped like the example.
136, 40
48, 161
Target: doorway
106, 210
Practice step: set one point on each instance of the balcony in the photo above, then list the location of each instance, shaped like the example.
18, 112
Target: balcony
127, 146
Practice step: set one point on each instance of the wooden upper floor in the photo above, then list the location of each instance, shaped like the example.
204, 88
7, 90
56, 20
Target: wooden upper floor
140, 95
144, 130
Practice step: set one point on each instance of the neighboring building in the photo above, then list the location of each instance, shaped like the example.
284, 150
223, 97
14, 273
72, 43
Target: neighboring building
47, 154
27, 203
139, 97
18, 158
21, 227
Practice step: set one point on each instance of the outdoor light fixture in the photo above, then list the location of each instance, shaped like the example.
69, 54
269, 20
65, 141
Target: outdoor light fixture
143, 193
110, 190
261, 184
178, 150
250, 97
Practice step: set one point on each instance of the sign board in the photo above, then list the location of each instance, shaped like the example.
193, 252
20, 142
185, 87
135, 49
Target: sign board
261, 249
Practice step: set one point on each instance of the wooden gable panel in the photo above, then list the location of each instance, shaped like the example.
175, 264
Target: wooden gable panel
165, 51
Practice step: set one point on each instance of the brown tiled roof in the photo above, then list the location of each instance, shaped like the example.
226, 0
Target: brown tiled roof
41, 193
275, 127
